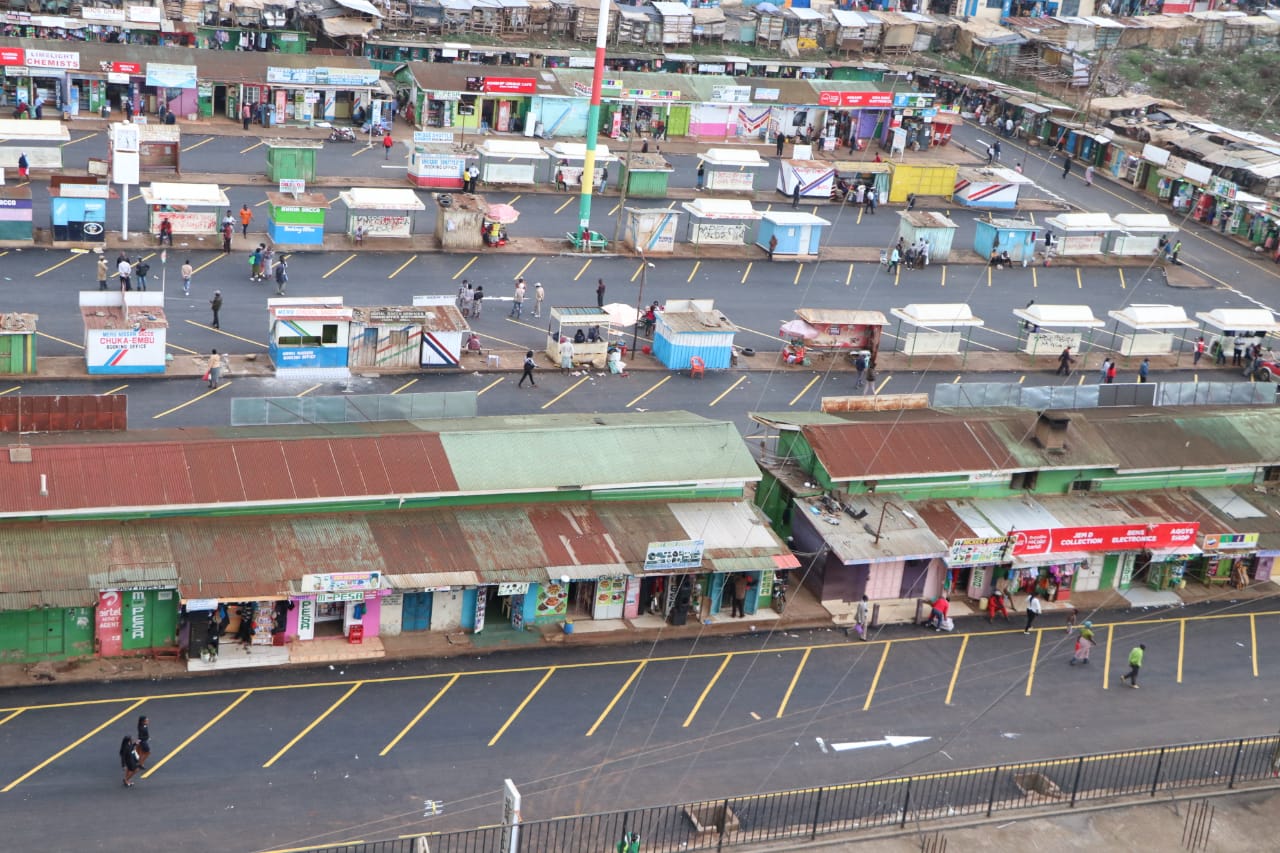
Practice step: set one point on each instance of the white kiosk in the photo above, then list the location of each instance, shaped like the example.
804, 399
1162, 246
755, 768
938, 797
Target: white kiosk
1050, 329
936, 329
1080, 234
1138, 234
1150, 325
731, 169
124, 331
568, 159
175, 202
511, 161
1224, 324
396, 207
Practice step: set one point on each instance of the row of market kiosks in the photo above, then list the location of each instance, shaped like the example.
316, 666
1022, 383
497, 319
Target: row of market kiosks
1074, 235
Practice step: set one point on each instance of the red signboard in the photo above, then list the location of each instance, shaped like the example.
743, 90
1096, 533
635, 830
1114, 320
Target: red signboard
855, 99
110, 613
126, 68
12, 56
510, 85
1107, 537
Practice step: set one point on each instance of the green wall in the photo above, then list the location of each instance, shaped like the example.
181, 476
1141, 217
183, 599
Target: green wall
49, 633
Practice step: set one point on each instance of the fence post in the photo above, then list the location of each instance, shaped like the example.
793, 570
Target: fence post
906, 802
991, 799
817, 807
1075, 785
723, 823
1155, 782
1235, 765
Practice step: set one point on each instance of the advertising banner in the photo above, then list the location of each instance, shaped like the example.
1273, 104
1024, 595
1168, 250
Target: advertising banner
125, 350
1110, 537
682, 554
109, 619
510, 85
171, 76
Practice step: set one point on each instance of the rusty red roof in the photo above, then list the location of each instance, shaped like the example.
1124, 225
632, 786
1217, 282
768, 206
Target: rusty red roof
866, 451
573, 535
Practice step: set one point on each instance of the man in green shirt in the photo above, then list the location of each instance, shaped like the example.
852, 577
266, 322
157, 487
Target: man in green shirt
1135, 664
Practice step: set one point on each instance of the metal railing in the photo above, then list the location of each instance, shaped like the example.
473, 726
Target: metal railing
898, 802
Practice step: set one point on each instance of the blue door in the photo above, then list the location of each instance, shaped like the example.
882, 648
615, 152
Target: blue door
416, 615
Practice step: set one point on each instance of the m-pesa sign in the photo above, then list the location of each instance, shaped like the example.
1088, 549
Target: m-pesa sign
855, 99
1110, 537
17, 56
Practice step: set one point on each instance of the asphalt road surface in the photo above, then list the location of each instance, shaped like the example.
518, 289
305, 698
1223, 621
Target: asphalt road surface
279, 760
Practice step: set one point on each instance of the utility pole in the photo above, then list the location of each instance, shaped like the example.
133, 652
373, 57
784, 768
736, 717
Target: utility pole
624, 174
593, 129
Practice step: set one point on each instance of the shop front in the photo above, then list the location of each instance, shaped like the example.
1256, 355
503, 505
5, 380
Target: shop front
309, 337
136, 618
972, 565
37, 78
124, 332
190, 209
1228, 559
302, 94
220, 633
59, 629
346, 604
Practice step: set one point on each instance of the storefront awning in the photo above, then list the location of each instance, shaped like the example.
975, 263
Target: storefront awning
754, 564
339, 27
519, 574
1050, 559
588, 573
431, 580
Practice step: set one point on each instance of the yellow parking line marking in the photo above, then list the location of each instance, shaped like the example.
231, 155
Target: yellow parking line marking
198, 732
1122, 284
1182, 643
348, 260
566, 204
1253, 644
848, 276
1106, 659
11, 715
10, 390
799, 270
525, 267
317, 721
60, 340
261, 203
1081, 382
464, 267
209, 263
988, 276
944, 275
181, 348
494, 384
418, 716
635, 275
135, 197
58, 264
897, 274
955, 673
694, 271
197, 145
615, 209
747, 272
402, 266
360, 151
1022, 378
786, 697
81, 139
664, 380
351, 843
1032, 217
803, 391
1079, 279
114, 390
1035, 281
197, 399
5, 252
706, 691
875, 680
228, 334
404, 386
884, 383
520, 708
584, 269
859, 219
1035, 658
516, 199
52, 758
769, 209
626, 685
726, 391
559, 396
309, 390
251, 147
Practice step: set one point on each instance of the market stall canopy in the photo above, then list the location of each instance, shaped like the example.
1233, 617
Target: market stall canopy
517, 148
185, 195
578, 151
987, 174
367, 198
1145, 223
15, 130
721, 208
1240, 319
1082, 222
936, 314
793, 217
748, 158
1059, 316
650, 162
1153, 317
841, 317
503, 214
797, 329
623, 316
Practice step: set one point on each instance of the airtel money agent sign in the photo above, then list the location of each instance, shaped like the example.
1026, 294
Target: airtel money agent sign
1110, 537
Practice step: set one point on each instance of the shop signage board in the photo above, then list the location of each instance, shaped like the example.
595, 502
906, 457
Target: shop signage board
972, 552
340, 581
125, 350
291, 186
913, 100
510, 817
128, 68
60, 60
513, 588
1109, 537
198, 604
375, 225
109, 618
322, 76
306, 619
768, 94
510, 85
680, 554
1229, 541
731, 94
169, 76
855, 99
185, 221
426, 137
330, 597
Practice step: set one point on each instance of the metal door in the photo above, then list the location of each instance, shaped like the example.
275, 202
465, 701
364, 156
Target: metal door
678, 121
416, 611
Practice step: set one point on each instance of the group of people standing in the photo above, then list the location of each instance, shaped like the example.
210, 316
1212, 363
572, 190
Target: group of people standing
134, 753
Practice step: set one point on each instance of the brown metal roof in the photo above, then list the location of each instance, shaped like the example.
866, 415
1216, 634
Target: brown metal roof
633, 526
943, 521
421, 542
867, 451
452, 77
573, 535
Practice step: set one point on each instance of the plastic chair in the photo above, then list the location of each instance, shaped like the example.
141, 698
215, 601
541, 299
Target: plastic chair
697, 367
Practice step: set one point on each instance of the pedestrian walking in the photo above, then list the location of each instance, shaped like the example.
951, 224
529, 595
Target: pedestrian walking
795, 196
991, 154
702, 173
227, 231
268, 260
538, 295
779, 141
1088, 175
387, 142
102, 272
186, 273
998, 603
1135, 664
468, 299
477, 300
1066, 167
140, 269
861, 615
246, 115
1111, 373
894, 259
860, 365
517, 299
566, 354
1102, 371
282, 277
1084, 644
1033, 610
1144, 370
1008, 127
604, 178
873, 196
255, 264
1237, 351
246, 216
124, 269
995, 149
215, 369
1177, 250
24, 166
128, 760
215, 302
741, 586
1199, 353
527, 371
144, 741
600, 293
644, 147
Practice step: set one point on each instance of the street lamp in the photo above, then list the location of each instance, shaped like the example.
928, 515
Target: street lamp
644, 274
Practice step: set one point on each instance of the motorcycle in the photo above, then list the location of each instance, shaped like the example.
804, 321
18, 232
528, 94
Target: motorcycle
342, 134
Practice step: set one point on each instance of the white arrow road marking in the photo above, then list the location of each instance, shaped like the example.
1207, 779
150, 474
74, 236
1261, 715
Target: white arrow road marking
888, 740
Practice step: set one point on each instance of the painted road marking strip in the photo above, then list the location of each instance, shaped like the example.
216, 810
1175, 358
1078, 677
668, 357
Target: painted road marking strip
516, 199
197, 145
799, 269
10, 390
559, 396
1035, 658
1079, 279
525, 267
1253, 644
848, 276
494, 384
875, 680
60, 340
1106, 659
404, 386
251, 147
626, 685
567, 202
615, 209
955, 673
402, 266
694, 271
81, 139
944, 275
209, 263
1122, 284
707, 690
584, 269
228, 334
747, 272
520, 708
52, 758
309, 390
58, 264
652, 388
342, 264
182, 348
115, 389
208, 393
1182, 644
11, 716
635, 275
464, 267
300, 735
198, 732
726, 391
884, 383
1035, 282
418, 716
803, 391
786, 697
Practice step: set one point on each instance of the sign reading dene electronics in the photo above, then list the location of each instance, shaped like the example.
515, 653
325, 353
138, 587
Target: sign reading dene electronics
1113, 537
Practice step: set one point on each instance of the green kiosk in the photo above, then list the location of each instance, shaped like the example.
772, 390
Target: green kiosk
294, 216
291, 159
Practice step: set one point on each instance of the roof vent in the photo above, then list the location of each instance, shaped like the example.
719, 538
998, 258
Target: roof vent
1051, 430
20, 453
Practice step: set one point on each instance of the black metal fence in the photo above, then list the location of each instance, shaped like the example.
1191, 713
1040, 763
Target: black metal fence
807, 813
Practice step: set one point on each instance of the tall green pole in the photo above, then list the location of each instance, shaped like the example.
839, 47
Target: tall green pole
593, 128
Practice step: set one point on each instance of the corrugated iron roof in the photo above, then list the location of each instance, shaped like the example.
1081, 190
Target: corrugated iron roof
868, 451
572, 535
902, 535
